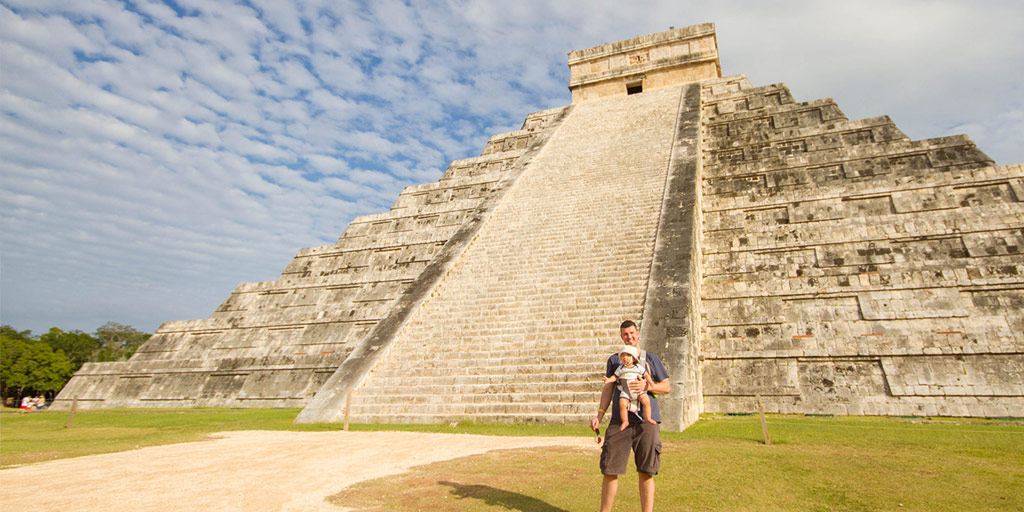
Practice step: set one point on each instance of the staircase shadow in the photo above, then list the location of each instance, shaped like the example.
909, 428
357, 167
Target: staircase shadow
500, 497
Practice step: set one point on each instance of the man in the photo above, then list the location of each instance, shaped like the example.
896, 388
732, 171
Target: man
642, 437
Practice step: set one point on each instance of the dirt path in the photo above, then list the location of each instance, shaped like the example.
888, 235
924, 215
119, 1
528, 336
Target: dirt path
240, 471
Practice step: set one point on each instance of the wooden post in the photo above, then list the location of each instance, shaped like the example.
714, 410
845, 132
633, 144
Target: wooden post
764, 425
71, 415
348, 404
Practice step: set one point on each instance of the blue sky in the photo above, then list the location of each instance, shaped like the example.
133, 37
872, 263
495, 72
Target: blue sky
155, 154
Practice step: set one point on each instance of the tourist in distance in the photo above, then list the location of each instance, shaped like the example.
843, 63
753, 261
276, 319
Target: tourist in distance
631, 369
641, 437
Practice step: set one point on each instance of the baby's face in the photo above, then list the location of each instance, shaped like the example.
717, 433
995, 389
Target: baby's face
626, 358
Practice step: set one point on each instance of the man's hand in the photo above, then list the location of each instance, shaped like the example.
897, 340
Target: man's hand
638, 386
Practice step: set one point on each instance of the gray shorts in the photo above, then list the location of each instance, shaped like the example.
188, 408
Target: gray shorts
641, 437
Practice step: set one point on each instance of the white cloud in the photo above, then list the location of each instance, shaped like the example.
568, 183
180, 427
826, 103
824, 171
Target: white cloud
151, 161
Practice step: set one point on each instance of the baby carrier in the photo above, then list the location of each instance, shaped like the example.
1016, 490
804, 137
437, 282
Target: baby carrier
641, 367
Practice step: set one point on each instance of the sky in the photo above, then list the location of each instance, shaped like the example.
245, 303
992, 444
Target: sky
155, 154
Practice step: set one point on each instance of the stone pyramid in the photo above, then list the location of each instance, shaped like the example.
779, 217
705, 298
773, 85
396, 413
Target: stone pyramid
770, 249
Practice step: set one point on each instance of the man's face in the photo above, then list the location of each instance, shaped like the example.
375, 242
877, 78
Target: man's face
630, 336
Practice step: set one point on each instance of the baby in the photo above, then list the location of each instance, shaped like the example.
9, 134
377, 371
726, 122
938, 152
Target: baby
631, 368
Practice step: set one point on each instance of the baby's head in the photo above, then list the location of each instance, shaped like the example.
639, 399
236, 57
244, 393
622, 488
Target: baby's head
629, 355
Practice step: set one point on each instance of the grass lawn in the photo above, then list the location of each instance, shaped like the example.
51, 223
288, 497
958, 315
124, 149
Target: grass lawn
849, 463
42, 435
841, 463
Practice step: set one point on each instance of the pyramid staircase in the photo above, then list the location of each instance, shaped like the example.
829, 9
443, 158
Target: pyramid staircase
520, 326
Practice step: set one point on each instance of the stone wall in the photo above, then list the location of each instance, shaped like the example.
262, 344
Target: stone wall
671, 324
850, 270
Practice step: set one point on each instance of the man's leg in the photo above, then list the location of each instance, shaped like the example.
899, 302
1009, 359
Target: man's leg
646, 492
609, 487
614, 459
647, 451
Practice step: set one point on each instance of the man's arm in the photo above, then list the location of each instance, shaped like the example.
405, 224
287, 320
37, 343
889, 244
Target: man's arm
602, 407
656, 370
659, 388
662, 387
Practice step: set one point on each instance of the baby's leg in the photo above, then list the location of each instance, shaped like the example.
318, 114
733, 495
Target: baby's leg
646, 400
624, 413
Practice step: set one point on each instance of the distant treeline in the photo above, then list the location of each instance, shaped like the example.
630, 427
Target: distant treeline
41, 365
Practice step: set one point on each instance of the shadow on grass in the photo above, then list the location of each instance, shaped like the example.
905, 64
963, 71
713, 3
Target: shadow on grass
500, 497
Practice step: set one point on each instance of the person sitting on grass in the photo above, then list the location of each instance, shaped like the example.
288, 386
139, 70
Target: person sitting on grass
631, 368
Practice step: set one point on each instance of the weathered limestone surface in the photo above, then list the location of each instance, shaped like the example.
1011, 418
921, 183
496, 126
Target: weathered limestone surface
672, 320
849, 270
769, 248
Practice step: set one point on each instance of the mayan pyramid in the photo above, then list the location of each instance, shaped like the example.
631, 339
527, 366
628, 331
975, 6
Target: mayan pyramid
770, 249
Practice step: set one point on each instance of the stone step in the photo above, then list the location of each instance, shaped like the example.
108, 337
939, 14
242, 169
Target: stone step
725, 85
898, 278
809, 184
576, 342
815, 184
443, 419
923, 257
783, 149
514, 346
365, 282
479, 409
774, 117
511, 141
735, 99
941, 152
384, 238
495, 369
452, 394
874, 161
451, 183
558, 379
892, 227
855, 229
401, 361
526, 297
563, 330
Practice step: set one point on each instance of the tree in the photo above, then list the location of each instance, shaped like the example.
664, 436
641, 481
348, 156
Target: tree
28, 365
79, 347
11, 332
118, 341
45, 364
11, 349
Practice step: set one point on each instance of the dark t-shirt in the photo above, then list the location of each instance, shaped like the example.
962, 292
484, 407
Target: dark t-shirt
658, 374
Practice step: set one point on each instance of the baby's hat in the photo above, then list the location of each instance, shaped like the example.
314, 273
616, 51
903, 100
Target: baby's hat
631, 350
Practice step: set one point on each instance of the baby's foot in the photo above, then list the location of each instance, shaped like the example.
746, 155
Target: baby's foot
652, 422
625, 423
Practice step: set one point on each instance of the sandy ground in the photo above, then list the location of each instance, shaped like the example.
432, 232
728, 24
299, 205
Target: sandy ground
240, 471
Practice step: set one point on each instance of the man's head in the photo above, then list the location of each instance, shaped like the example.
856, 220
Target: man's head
629, 333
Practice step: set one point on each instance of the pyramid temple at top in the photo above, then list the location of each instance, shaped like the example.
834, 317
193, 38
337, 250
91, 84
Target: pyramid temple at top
770, 249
